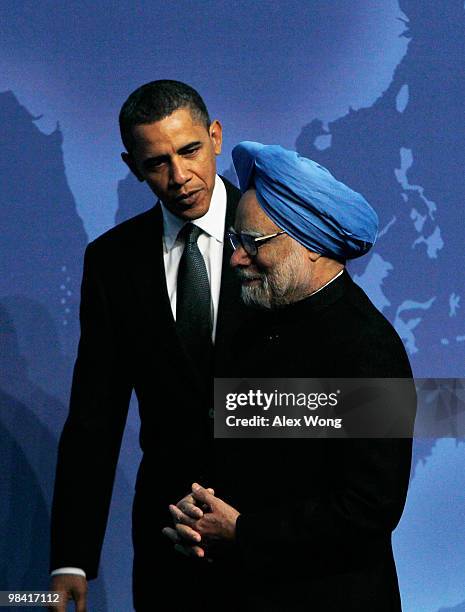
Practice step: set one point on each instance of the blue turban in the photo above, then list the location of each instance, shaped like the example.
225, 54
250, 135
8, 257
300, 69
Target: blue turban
305, 200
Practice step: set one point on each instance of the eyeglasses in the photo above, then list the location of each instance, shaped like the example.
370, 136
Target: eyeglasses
249, 243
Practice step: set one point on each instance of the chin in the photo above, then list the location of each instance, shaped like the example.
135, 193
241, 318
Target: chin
254, 295
193, 212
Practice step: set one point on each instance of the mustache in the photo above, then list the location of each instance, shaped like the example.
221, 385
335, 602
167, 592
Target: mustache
246, 275
183, 196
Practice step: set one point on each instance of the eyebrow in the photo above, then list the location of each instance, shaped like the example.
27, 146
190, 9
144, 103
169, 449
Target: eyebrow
161, 158
191, 145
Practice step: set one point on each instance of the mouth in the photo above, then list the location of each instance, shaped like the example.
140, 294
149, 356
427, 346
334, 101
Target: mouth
188, 199
248, 281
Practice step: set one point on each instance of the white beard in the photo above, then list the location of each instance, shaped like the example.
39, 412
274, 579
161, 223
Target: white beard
276, 288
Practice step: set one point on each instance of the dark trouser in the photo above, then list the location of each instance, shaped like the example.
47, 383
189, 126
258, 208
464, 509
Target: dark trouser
166, 579
164, 576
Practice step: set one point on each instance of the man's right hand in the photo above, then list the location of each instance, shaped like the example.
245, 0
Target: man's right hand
184, 514
72, 587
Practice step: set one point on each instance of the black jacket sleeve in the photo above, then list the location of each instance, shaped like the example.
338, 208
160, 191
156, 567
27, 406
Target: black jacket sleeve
365, 506
90, 442
367, 481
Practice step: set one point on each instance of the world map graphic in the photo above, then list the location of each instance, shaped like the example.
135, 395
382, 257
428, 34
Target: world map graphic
405, 153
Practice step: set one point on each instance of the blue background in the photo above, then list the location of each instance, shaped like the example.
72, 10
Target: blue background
373, 90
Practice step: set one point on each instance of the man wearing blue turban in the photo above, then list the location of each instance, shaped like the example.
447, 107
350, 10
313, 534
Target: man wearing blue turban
308, 523
305, 200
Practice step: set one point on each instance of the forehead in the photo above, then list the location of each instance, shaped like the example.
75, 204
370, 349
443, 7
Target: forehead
251, 217
169, 134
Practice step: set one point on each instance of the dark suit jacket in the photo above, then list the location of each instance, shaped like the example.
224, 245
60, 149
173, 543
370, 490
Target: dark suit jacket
129, 340
317, 517
317, 514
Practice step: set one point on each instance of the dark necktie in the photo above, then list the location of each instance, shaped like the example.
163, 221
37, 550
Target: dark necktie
193, 302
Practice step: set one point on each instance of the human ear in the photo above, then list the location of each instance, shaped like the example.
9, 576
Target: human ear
313, 256
216, 135
131, 164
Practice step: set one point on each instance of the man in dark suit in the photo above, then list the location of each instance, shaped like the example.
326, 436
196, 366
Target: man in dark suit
158, 304
307, 523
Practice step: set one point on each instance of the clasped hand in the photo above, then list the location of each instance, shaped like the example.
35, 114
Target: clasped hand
201, 521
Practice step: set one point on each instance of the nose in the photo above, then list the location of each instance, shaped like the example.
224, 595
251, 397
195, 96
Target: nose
179, 174
240, 258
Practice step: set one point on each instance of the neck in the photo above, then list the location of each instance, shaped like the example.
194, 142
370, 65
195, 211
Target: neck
332, 277
298, 295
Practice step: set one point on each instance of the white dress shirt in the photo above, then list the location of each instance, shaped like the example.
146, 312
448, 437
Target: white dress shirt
210, 244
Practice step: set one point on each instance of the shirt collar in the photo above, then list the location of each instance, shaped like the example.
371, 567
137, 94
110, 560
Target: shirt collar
212, 223
330, 281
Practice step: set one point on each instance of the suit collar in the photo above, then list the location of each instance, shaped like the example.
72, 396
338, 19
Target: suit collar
231, 311
148, 272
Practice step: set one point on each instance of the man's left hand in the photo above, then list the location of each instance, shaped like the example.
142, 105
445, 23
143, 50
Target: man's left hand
219, 523
216, 525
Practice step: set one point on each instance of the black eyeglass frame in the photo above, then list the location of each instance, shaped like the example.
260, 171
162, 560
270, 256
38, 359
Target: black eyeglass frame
250, 243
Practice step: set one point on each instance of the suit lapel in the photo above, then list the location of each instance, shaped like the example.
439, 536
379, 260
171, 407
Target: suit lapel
149, 283
231, 311
147, 269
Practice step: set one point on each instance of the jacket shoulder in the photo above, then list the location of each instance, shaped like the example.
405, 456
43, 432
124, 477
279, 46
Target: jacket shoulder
365, 312
373, 335
233, 194
125, 234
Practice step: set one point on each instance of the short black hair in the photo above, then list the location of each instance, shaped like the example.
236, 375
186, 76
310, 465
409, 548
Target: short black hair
155, 101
